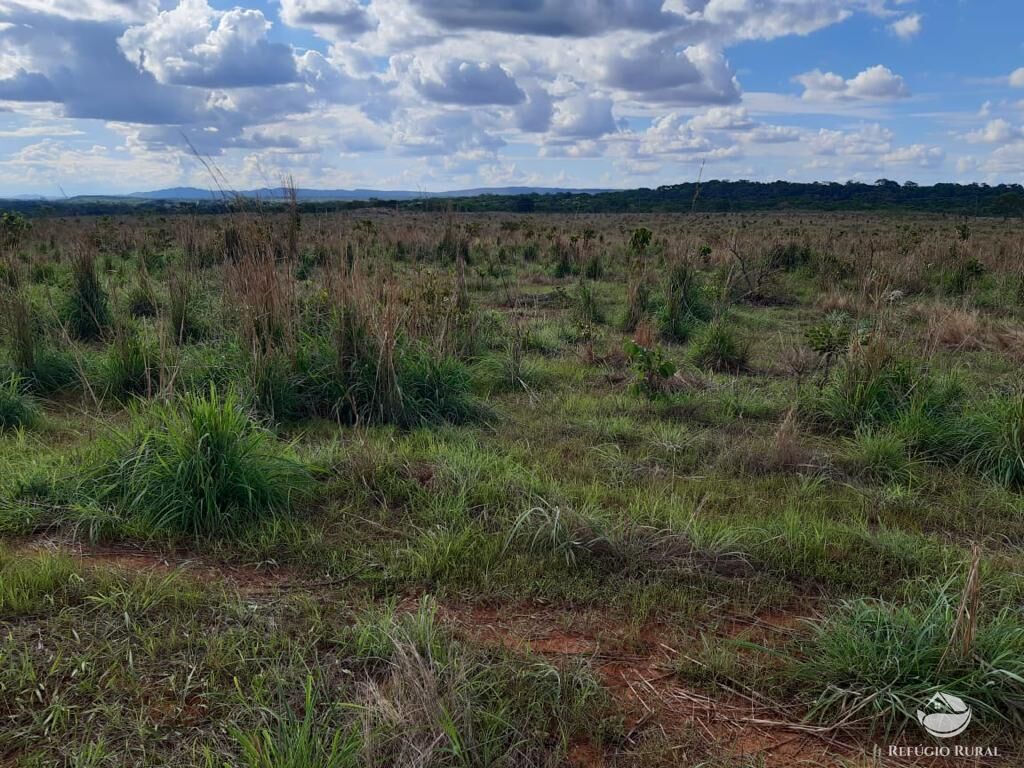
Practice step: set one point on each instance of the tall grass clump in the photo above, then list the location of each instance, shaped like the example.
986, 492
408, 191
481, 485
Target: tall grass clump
871, 386
17, 409
87, 311
878, 663
992, 438
718, 348
199, 466
369, 369
129, 367
684, 304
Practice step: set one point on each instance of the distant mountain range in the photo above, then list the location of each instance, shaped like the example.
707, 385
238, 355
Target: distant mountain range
279, 193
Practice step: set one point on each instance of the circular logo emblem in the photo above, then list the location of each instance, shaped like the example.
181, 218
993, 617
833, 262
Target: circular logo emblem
948, 716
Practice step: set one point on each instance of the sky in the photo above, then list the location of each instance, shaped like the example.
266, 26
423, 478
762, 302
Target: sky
113, 96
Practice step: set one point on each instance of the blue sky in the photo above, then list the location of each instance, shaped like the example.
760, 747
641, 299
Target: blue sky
113, 95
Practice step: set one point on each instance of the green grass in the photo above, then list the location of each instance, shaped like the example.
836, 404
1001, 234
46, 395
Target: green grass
17, 409
879, 663
423, 467
198, 466
993, 440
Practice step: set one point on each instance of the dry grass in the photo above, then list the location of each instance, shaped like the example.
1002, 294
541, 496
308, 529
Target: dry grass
953, 328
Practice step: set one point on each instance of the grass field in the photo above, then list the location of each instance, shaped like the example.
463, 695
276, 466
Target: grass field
284, 491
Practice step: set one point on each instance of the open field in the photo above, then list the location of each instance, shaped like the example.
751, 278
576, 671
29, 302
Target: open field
378, 489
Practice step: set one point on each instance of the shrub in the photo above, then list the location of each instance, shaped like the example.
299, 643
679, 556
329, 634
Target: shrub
654, 371
833, 335
198, 466
17, 409
718, 348
961, 277
87, 312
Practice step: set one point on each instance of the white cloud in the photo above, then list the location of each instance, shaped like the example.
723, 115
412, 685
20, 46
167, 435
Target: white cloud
722, 119
907, 27
87, 10
584, 116
877, 83
194, 45
916, 154
1017, 78
997, 131
332, 18
469, 84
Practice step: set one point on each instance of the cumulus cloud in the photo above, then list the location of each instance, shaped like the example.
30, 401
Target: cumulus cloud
553, 18
877, 83
585, 117
907, 27
723, 119
691, 76
333, 17
534, 114
997, 131
194, 45
630, 83
916, 154
86, 10
469, 84
867, 140
1017, 78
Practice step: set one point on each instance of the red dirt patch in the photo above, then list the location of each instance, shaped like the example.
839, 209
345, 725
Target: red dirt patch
248, 581
638, 667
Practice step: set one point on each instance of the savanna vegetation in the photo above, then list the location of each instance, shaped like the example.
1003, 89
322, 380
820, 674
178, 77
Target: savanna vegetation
378, 488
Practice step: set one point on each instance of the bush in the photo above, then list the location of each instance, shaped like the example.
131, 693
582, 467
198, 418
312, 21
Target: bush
718, 348
654, 371
17, 409
199, 466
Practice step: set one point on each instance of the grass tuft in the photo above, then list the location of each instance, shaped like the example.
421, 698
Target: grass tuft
17, 409
199, 466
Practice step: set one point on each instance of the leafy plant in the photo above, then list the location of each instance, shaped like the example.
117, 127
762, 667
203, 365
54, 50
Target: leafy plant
654, 370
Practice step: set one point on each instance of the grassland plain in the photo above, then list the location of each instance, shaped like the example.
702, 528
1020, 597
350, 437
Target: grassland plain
374, 489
